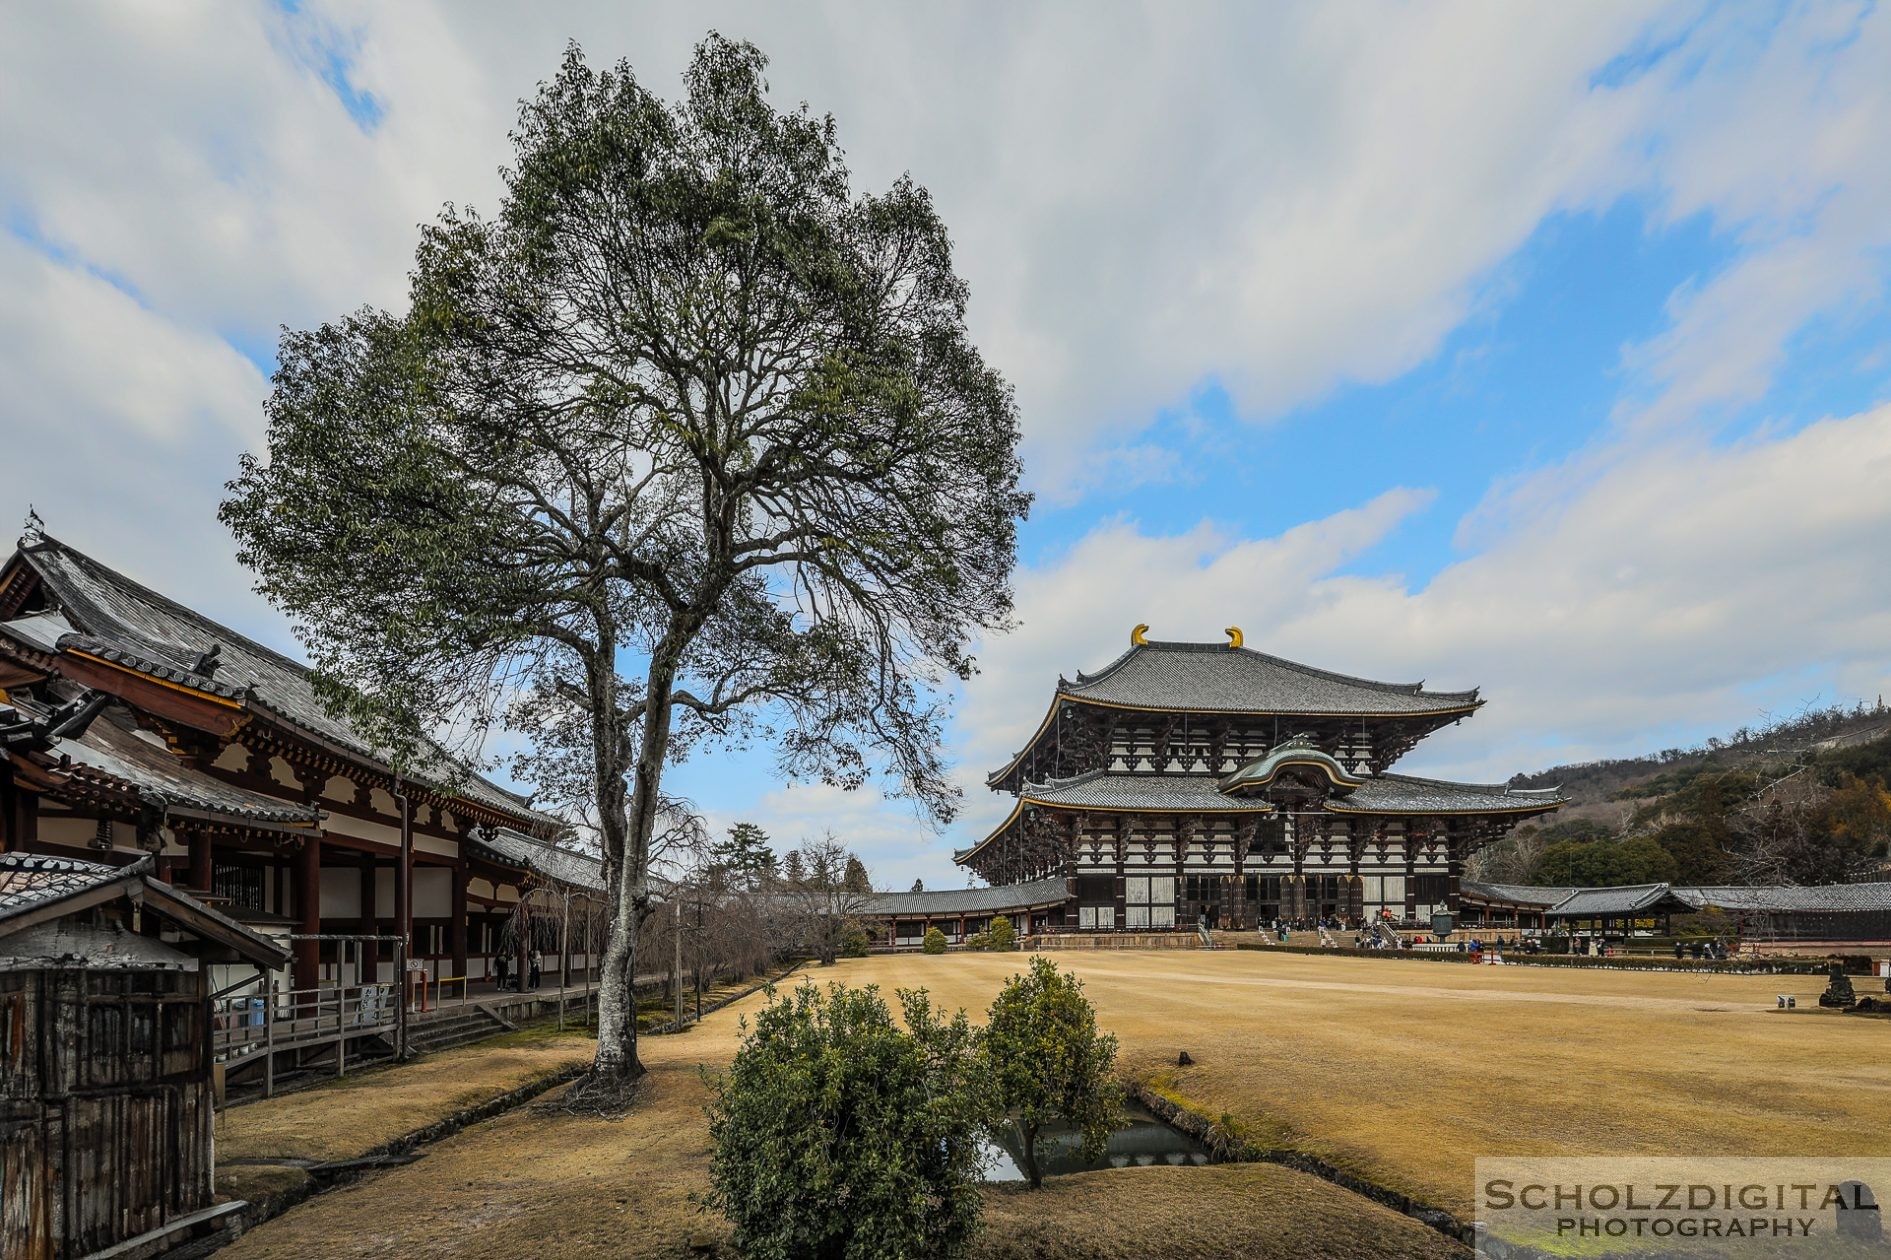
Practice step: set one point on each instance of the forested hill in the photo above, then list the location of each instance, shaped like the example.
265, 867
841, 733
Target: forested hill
1805, 800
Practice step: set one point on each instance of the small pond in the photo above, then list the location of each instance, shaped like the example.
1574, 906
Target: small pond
1140, 1141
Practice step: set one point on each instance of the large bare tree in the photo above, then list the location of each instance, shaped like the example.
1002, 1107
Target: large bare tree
687, 442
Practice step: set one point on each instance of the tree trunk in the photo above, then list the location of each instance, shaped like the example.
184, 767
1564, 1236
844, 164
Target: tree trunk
1028, 1148
617, 1004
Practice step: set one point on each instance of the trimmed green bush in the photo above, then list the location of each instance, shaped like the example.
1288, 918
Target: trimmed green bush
935, 942
1003, 936
854, 941
838, 1134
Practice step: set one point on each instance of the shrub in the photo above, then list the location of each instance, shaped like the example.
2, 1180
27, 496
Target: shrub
1003, 936
854, 941
1047, 1061
837, 1134
978, 940
935, 942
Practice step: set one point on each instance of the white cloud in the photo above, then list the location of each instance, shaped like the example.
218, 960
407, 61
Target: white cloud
118, 425
1690, 587
1144, 197
1287, 198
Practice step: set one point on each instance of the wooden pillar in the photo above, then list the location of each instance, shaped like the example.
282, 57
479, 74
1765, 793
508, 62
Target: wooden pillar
370, 924
306, 878
456, 928
19, 815
201, 875
522, 940
1407, 840
404, 883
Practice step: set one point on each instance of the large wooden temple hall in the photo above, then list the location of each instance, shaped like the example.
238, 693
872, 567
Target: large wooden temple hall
1186, 778
132, 726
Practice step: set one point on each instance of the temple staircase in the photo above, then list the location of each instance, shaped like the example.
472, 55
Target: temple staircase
453, 1027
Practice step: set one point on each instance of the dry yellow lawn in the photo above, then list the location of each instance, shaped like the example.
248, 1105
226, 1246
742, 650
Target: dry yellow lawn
537, 1184
1400, 1070
1405, 1071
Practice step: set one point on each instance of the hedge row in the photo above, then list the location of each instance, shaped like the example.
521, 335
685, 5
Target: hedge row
1854, 964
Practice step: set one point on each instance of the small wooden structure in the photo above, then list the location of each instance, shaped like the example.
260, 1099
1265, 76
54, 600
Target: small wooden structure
106, 1099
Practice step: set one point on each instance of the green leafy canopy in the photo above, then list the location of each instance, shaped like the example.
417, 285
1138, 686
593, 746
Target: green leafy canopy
1048, 1062
836, 1133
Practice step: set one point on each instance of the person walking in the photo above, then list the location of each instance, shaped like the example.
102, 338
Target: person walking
500, 966
538, 968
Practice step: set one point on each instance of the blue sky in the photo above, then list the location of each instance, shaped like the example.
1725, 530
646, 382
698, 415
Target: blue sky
1543, 348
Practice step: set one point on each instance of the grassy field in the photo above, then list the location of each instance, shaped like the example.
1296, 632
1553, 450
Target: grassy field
1399, 1070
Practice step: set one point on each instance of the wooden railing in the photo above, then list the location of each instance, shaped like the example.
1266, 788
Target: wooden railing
246, 1025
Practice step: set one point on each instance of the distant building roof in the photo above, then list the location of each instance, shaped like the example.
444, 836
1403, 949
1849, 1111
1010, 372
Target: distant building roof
1585, 903
1538, 895
1216, 678
956, 901
108, 615
1838, 898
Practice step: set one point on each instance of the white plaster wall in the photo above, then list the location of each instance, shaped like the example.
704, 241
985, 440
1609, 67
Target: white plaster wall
433, 892
341, 892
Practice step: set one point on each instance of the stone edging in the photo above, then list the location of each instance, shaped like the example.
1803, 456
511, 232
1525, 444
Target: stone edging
1227, 1148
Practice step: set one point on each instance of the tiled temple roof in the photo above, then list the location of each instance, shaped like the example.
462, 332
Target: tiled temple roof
114, 755
1107, 790
28, 879
992, 900
1838, 898
1407, 794
554, 862
108, 615
1216, 678
1587, 903
1542, 896
32, 886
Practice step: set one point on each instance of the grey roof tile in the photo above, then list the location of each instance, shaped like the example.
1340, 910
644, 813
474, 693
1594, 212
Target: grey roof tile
1215, 678
1408, 794
1831, 898
1628, 899
1100, 789
554, 862
112, 749
133, 625
29, 879
956, 901
1544, 895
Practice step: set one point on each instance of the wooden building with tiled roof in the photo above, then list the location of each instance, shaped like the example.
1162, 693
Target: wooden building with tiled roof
1192, 778
133, 727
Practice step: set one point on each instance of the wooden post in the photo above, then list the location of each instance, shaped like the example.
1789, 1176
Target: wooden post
564, 959
269, 1040
404, 881
370, 965
341, 1015
306, 968
201, 875
456, 930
